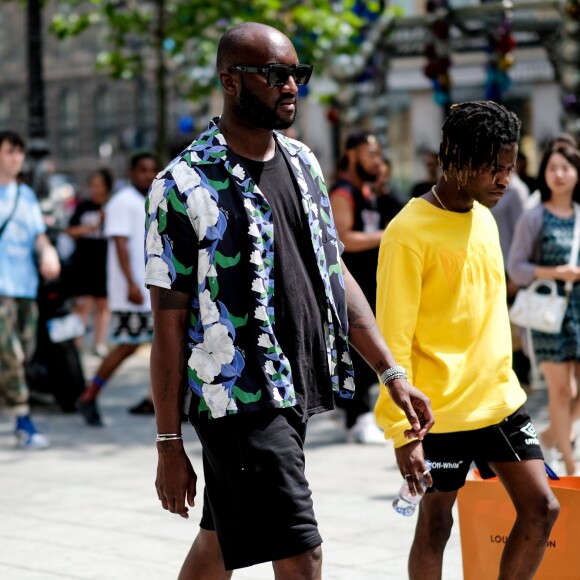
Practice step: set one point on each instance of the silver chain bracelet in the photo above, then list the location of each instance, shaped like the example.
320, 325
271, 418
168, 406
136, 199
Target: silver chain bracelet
396, 372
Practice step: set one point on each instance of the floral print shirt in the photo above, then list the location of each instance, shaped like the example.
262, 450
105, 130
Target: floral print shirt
209, 232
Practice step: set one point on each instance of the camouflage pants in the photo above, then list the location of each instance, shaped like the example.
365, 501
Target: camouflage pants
18, 320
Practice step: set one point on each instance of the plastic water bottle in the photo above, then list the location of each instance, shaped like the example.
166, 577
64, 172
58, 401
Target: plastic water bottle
405, 503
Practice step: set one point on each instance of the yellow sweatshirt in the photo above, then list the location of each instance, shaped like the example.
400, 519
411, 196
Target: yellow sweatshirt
441, 306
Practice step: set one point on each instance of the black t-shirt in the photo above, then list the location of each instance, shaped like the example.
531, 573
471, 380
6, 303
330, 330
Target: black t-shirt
93, 244
298, 293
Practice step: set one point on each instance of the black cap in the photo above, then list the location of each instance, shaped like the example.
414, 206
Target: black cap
360, 138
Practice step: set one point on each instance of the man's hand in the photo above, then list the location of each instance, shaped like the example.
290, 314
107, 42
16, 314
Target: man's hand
176, 480
48, 262
411, 463
134, 294
415, 405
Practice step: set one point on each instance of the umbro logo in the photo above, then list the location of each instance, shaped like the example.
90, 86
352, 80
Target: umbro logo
529, 430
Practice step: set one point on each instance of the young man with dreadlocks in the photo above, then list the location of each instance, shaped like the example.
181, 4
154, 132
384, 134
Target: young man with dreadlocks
441, 307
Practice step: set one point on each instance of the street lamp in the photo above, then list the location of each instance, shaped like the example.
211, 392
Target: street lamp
37, 143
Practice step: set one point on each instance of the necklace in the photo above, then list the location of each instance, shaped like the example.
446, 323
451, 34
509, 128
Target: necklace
437, 198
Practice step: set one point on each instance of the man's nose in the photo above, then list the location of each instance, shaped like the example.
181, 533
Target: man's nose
503, 177
290, 84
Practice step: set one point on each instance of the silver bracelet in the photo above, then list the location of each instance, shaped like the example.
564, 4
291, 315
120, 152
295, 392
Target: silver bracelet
168, 437
396, 372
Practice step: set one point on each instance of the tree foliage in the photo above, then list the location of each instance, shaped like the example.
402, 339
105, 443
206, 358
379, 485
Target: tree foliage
184, 33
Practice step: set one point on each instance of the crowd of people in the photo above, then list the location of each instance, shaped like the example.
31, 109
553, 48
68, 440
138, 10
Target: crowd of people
268, 299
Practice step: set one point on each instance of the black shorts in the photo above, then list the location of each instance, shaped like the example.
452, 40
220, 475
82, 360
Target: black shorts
451, 454
256, 495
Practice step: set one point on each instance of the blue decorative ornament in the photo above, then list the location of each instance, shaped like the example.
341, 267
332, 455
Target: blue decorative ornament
186, 124
303, 91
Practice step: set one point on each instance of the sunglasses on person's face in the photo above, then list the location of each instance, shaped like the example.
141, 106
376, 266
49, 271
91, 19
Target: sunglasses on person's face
277, 74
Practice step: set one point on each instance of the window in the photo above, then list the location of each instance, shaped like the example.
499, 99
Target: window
105, 122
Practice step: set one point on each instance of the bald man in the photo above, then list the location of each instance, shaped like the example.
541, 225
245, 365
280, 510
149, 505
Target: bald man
251, 331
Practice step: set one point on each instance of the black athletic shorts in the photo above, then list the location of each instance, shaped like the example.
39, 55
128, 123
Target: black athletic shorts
256, 495
451, 454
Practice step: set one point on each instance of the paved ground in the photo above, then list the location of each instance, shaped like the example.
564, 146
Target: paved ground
86, 509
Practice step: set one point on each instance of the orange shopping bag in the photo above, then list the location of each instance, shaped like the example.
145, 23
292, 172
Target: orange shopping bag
486, 516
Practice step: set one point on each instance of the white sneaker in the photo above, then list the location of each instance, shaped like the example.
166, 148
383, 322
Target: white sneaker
366, 431
27, 437
101, 350
26, 440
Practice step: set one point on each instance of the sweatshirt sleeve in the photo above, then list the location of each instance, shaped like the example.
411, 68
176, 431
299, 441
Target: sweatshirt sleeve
399, 277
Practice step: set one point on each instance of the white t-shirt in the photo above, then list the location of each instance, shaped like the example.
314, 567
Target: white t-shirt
125, 217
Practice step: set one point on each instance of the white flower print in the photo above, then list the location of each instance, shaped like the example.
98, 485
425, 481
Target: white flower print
261, 314
238, 171
249, 205
331, 340
221, 139
156, 269
264, 341
258, 285
204, 267
216, 349
276, 395
186, 177
346, 358
331, 365
208, 309
253, 230
270, 369
154, 243
256, 258
349, 384
202, 210
217, 399
157, 196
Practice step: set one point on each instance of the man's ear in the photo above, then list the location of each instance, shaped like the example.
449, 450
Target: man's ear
351, 155
229, 82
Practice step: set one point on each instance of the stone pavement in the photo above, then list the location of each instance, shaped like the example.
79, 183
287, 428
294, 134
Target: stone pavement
86, 509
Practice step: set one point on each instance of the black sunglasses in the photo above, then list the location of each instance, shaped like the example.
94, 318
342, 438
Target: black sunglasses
277, 74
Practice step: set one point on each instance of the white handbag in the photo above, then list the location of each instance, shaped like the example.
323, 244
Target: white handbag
545, 311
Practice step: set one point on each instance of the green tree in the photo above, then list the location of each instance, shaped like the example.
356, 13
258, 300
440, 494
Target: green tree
180, 36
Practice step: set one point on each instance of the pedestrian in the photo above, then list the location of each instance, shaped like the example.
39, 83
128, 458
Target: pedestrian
442, 308
25, 252
250, 306
87, 272
541, 249
507, 212
522, 169
559, 139
131, 318
432, 173
359, 226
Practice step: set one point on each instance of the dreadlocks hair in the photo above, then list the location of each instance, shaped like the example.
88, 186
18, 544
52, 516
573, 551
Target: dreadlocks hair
472, 136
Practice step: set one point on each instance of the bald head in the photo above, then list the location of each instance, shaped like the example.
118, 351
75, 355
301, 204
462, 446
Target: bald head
251, 43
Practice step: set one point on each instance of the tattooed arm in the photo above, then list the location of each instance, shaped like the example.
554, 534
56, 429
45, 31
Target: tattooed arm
176, 479
366, 338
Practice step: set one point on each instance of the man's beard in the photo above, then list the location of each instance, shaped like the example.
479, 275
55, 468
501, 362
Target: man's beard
364, 174
254, 110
